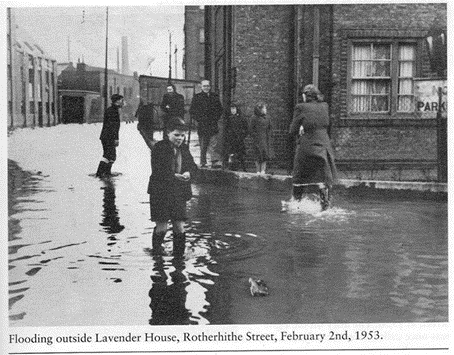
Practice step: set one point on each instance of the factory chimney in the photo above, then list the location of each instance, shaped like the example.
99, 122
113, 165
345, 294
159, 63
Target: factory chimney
124, 56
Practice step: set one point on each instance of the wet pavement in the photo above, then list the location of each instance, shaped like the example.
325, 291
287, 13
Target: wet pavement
80, 249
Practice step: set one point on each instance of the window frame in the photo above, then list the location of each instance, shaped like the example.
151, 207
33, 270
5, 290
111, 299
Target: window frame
394, 73
201, 35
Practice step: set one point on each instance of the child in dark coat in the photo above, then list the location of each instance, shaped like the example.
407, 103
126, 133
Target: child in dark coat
236, 132
261, 135
169, 187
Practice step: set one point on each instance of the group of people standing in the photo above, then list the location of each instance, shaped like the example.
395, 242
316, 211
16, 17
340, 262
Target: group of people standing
173, 166
222, 134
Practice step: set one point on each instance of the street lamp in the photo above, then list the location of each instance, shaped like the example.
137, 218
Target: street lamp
105, 67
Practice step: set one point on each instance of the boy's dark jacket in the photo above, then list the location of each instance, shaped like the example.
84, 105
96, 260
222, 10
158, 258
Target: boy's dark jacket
111, 125
163, 183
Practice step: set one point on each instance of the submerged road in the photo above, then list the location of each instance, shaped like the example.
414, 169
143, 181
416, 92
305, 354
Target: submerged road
79, 247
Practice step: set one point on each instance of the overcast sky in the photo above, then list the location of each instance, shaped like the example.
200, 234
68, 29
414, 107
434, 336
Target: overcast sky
147, 29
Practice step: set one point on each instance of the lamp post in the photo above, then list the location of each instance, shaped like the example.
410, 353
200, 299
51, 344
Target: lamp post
170, 58
105, 66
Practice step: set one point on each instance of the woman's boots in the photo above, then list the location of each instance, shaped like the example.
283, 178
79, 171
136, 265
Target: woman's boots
324, 192
325, 197
297, 192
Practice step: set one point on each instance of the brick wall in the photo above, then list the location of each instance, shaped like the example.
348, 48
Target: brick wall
193, 49
264, 66
390, 138
266, 50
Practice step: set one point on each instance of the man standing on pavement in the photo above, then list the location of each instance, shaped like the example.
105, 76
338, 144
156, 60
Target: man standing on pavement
109, 136
172, 105
206, 109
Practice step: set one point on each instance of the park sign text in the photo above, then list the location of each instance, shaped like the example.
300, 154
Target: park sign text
427, 101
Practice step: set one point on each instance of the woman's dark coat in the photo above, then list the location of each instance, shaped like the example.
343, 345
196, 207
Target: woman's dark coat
314, 156
111, 125
163, 184
261, 136
175, 101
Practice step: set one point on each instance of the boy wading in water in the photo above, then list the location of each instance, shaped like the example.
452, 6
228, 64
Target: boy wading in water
109, 136
169, 187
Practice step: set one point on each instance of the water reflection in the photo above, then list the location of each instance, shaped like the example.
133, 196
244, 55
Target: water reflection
180, 285
168, 293
110, 219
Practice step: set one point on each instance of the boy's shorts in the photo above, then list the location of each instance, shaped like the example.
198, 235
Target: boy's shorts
170, 208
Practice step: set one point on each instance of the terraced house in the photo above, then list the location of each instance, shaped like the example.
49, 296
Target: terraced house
381, 67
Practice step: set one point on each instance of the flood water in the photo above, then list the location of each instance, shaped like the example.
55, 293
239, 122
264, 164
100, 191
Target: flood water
83, 255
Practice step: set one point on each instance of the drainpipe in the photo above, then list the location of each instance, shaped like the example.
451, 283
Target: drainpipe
106, 81
297, 53
12, 67
316, 47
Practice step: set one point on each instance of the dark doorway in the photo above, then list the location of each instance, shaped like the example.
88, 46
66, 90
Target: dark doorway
40, 113
72, 109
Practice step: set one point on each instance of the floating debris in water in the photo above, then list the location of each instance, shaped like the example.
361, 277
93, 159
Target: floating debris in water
258, 287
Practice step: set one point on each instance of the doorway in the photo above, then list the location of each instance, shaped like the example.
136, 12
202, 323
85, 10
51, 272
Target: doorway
72, 109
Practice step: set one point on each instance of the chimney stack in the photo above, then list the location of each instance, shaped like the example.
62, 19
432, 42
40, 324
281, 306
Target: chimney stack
124, 56
118, 59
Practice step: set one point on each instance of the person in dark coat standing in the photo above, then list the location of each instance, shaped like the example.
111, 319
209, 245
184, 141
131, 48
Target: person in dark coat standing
261, 135
169, 186
172, 105
145, 125
206, 109
109, 136
314, 164
236, 132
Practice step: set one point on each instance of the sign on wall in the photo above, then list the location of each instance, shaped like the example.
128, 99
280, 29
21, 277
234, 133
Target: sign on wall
427, 99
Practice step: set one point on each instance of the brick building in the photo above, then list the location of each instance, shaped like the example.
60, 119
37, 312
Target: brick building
31, 80
194, 43
366, 59
81, 93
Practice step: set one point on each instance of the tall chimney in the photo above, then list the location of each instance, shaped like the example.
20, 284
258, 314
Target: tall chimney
124, 56
118, 59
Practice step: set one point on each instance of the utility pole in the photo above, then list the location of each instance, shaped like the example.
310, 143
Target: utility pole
170, 57
69, 50
11, 64
105, 68
118, 60
176, 66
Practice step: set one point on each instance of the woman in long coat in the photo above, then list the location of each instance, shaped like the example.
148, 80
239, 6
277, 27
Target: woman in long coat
314, 157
